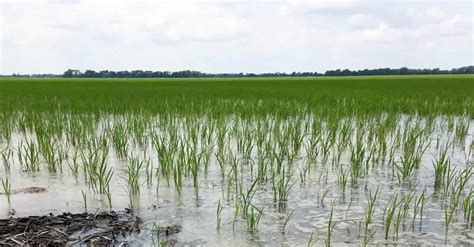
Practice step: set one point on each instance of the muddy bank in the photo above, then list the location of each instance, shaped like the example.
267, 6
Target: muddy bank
28, 190
102, 228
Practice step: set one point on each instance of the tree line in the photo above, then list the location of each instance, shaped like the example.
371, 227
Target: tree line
197, 74
71, 73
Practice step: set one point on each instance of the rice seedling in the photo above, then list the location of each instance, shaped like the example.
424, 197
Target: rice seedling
391, 157
250, 212
414, 146
330, 228
194, 160
441, 166
137, 126
246, 198
133, 172
281, 188
389, 213
312, 239
304, 172
7, 186
349, 206
286, 221
468, 208
404, 203
327, 144
462, 128
252, 218
7, 158
406, 168
74, 164
407, 199
323, 196
367, 238
311, 149
218, 215
457, 185
357, 158
156, 231
166, 156
109, 198
418, 207
323, 176
468, 146
28, 156
463, 179
149, 172
178, 173
220, 157
119, 140
342, 177
97, 173
84, 200
236, 214
53, 154
449, 211
372, 199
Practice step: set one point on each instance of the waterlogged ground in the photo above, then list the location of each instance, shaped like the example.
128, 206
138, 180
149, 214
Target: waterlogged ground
314, 182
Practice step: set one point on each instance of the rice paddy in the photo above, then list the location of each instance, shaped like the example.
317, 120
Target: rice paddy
248, 161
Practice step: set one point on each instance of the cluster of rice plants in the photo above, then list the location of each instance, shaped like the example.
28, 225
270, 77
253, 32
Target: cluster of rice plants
28, 155
97, 174
134, 171
266, 147
7, 158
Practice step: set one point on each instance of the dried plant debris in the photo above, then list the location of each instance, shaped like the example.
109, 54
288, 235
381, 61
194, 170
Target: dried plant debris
103, 228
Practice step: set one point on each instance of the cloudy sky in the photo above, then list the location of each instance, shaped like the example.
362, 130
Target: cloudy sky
234, 36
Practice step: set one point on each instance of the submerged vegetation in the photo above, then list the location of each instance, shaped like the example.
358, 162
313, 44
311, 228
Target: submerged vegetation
392, 155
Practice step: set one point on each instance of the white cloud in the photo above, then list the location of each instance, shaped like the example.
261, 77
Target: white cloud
429, 14
363, 21
233, 36
316, 6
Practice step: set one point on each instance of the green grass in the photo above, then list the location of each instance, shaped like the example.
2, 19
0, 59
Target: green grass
406, 94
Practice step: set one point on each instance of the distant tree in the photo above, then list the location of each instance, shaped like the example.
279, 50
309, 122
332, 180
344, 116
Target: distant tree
70, 73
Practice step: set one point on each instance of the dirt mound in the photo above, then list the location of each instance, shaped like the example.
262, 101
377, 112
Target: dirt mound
91, 229
28, 190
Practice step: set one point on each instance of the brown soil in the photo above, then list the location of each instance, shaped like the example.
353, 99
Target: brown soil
28, 190
104, 228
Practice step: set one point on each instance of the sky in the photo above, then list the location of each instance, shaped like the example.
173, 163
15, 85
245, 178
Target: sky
252, 36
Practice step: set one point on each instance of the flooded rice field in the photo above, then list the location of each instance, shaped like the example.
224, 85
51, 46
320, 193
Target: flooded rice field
305, 180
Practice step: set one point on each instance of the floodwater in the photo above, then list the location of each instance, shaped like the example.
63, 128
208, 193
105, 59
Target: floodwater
309, 204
